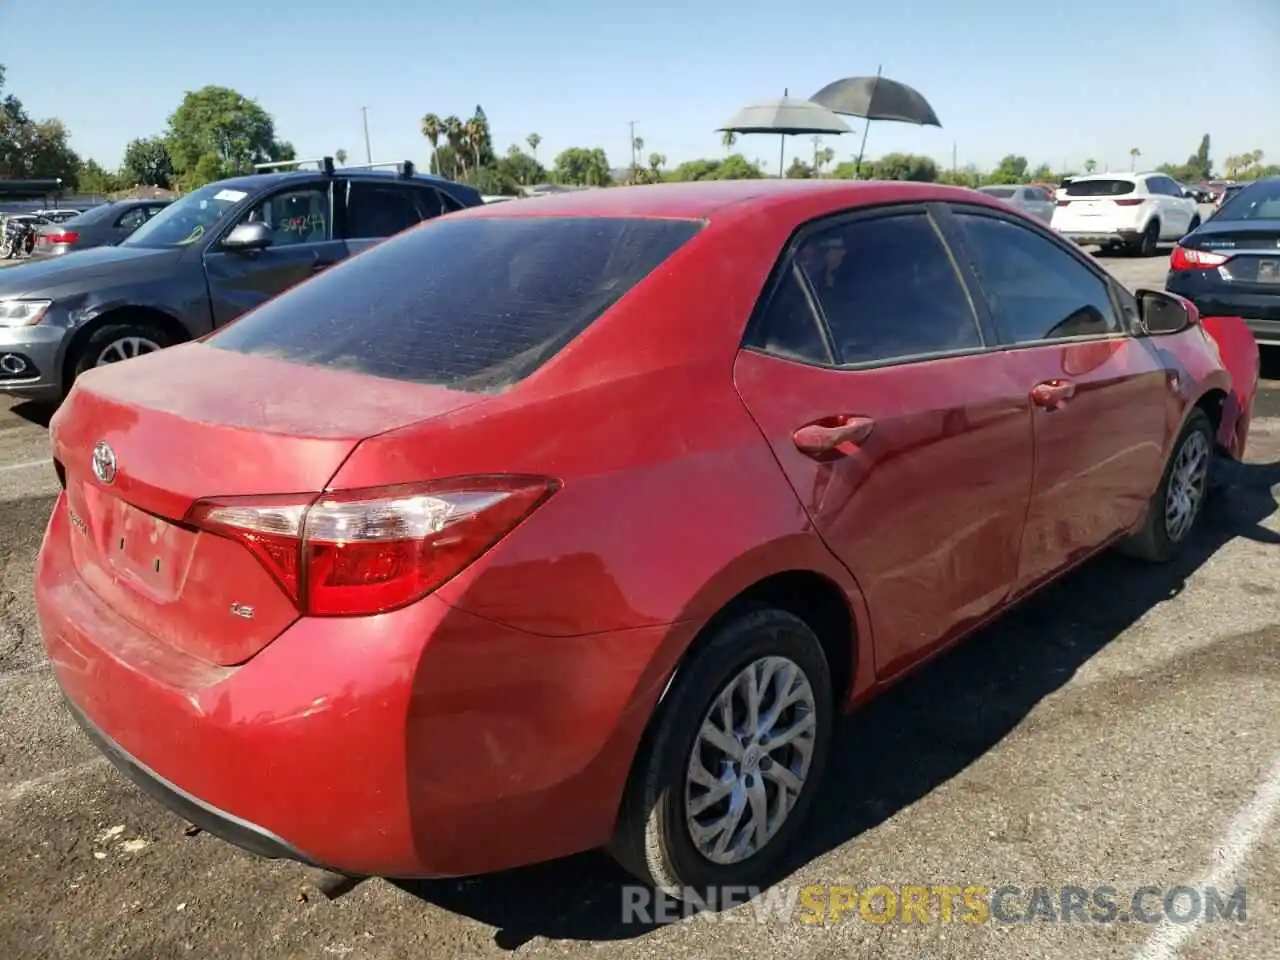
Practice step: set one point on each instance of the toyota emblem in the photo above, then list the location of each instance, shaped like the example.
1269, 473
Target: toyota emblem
104, 463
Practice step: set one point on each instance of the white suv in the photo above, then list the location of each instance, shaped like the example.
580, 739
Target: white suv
1133, 210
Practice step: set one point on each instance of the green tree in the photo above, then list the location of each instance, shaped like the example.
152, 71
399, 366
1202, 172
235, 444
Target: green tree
32, 149
798, 170
340, 155
1090, 165
147, 162
217, 132
905, 166
95, 179
432, 129
521, 168
533, 140
580, 166
1011, 169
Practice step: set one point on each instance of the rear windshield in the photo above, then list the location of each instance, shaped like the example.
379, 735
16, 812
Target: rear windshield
1004, 193
94, 214
470, 304
1257, 201
1099, 188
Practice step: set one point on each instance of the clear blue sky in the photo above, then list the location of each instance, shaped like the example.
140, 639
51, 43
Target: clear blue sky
1057, 82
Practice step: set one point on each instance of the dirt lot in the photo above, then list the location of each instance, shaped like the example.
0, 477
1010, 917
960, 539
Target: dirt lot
1122, 729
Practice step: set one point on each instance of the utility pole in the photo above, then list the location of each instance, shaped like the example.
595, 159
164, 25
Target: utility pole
631, 125
368, 152
954, 166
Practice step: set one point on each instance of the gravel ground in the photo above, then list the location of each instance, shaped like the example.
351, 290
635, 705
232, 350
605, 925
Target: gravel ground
1123, 728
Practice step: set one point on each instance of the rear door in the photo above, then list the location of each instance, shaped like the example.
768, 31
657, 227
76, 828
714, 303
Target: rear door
375, 210
896, 422
1101, 397
301, 220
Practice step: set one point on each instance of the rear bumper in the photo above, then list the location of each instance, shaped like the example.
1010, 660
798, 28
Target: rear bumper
1103, 237
221, 824
1260, 312
426, 742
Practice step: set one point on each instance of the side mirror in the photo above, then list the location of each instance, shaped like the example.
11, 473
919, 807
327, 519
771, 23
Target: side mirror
1164, 313
248, 236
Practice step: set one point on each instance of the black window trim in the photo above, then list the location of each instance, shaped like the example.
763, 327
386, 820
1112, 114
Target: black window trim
786, 262
960, 241
262, 196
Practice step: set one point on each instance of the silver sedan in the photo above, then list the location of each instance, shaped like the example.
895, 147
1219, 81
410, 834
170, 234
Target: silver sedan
1035, 201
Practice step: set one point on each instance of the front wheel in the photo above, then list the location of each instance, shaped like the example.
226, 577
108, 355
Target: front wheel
728, 771
117, 342
1178, 503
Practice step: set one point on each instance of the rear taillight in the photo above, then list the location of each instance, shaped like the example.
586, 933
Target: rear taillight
361, 552
1184, 258
66, 236
1133, 202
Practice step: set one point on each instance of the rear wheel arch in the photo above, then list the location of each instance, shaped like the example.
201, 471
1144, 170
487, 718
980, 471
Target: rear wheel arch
148, 317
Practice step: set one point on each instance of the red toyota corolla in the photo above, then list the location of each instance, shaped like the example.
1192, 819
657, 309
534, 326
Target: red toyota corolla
574, 522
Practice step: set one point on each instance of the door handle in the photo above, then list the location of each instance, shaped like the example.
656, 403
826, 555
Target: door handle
1052, 394
833, 436
320, 265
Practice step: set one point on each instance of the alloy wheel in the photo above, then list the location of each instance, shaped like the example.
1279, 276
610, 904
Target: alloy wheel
750, 760
1187, 484
126, 348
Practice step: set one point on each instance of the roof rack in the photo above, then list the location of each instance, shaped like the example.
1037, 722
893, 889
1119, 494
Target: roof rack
322, 163
404, 168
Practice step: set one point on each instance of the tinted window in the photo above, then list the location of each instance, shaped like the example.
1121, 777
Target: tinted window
471, 304
1099, 188
96, 214
1004, 193
888, 289
1258, 201
376, 210
789, 326
294, 216
1036, 290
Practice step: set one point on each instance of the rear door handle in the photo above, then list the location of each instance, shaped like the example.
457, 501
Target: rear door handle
834, 436
1052, 394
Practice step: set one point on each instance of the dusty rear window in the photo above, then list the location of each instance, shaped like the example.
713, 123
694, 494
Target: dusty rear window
470, 304
1004, 193
1099, 188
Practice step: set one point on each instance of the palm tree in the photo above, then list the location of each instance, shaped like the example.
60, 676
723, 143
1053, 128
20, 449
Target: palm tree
637, 148
452, 128
431, 129
656, 162
473, 137
533, 140
1134, 154
341, 156
729, 139
1090, 166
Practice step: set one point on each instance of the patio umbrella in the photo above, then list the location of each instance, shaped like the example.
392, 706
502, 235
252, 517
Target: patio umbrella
876, 98
787, 117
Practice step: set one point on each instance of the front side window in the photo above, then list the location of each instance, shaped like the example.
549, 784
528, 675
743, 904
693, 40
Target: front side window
294, 216
1036, 290
888, 289
132, 218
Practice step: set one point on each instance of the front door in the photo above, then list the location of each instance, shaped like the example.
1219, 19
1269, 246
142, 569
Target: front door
301, 221
1100, 396
899, 429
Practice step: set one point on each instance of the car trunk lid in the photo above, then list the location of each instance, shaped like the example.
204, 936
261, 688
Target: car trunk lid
195, 422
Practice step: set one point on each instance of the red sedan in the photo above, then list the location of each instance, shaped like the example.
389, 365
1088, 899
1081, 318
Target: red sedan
556, 525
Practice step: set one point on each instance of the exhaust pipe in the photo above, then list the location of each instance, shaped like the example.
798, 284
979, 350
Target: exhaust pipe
12, 364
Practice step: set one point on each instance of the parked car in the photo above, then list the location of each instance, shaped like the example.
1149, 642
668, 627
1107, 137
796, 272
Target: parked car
59, 215
101, 226
1029, 199
468, 554
1231, 264
1134, 211
198, 264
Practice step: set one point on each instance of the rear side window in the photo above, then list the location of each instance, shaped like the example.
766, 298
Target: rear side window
888, 290
472, 304
377, 210
1004, 193
1099, 188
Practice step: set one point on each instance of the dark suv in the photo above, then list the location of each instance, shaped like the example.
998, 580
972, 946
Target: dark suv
200, 263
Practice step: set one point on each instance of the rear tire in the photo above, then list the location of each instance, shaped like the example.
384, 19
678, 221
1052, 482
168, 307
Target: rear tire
1178, 504
682, 783
1149, 242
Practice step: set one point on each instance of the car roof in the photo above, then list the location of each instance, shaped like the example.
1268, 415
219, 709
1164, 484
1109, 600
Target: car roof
258, 181
1126, 175
701, 199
